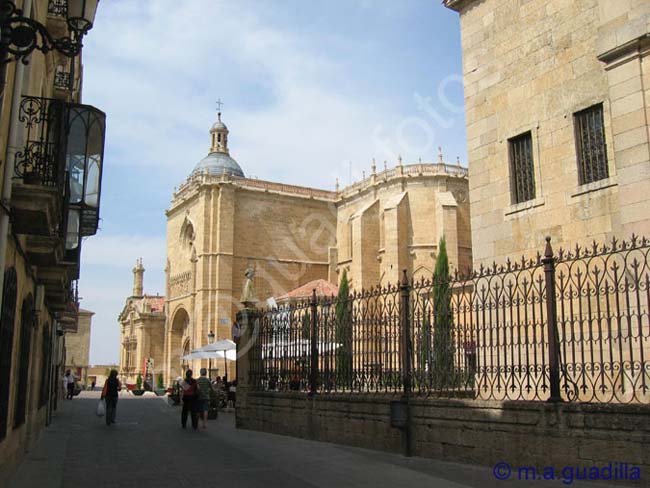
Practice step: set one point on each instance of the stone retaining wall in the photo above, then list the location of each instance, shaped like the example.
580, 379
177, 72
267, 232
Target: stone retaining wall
471, 431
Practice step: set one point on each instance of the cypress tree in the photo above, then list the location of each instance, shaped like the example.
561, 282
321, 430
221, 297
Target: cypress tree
343, 334
443, 334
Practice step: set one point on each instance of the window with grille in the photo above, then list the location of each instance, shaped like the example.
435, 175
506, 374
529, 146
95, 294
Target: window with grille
590, 144
26, 323
46, 367
522, 174
7, 318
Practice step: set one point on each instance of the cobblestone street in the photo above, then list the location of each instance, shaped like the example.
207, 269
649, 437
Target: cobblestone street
147, 447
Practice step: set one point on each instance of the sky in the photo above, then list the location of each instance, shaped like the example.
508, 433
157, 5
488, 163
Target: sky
312, 92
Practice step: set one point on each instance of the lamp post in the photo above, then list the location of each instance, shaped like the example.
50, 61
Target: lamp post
210, 341
20, 35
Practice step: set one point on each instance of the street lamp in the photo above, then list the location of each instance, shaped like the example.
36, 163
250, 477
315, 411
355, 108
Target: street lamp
210, 341
20, 35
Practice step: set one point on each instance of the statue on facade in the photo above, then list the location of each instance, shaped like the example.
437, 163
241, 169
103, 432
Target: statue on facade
248, 296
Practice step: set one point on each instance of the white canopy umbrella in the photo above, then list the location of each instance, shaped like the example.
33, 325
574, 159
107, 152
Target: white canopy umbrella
225, 348
222, 345
196, 354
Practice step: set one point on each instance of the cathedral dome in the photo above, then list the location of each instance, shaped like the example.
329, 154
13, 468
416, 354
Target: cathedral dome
219, 125
218, 163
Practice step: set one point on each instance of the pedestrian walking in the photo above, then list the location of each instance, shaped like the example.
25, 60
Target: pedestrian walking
68, 384
190, 400
232, 394
205, 390
112, 386
92, 386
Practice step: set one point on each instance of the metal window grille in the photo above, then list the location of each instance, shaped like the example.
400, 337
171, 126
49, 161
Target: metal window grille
46, 367
590, 144
522, 174
61, 79
26, 324
6, 344
57, 8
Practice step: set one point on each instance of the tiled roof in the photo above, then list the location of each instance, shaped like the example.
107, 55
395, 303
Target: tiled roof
156, 303
323, 288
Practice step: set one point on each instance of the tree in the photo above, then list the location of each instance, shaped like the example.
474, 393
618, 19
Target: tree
425, 345
160, 384
443, 333
138, 382
343, 335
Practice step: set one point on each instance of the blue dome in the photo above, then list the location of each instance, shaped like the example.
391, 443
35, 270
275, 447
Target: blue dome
217, 163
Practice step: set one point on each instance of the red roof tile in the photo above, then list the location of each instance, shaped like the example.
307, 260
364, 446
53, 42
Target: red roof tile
156, 304
323, 288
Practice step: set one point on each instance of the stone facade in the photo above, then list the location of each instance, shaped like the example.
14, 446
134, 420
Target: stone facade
221, 223
77, 348
142, 333
39, 304
394, 220
216, 229
525, 434
529, 68
99, 374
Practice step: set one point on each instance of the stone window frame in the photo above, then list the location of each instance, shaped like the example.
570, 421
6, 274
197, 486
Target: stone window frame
589, 171
611, 180
519, 173
539, 199
187, 234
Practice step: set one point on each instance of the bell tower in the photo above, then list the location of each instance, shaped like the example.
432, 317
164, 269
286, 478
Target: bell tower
219, 134
138, 279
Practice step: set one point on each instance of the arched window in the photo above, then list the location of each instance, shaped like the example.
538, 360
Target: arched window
46, 367
187, 234
26, 323
7, 318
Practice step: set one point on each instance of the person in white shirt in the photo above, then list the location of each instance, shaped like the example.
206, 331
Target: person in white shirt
68, 384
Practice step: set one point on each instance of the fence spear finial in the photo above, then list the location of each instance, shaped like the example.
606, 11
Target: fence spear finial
548, 250
405, 278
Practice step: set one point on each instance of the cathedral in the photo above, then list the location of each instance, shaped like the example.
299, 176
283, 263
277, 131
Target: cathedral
220, 224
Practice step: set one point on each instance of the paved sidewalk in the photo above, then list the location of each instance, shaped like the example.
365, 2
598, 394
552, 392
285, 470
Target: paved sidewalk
147, 447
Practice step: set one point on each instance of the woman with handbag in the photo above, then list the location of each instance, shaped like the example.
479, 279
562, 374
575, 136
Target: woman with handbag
109, 394
190, 400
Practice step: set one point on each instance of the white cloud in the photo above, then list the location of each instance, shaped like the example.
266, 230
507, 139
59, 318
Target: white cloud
295, 115
173, 65
122, 250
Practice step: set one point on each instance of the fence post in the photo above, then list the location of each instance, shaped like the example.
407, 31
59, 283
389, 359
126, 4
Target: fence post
407, 353
551, 318
313, 370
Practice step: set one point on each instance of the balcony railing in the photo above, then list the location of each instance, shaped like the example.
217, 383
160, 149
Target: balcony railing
64, 150
41, 160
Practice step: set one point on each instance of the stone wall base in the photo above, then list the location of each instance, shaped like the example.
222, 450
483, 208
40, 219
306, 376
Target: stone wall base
471, 431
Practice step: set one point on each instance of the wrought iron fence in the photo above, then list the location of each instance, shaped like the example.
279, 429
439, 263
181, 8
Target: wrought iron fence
573, 326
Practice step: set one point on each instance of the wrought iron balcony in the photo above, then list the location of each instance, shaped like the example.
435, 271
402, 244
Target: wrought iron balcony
56, 188
59, 169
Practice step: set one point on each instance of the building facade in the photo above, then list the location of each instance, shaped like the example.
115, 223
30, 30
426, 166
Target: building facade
221, 224
394, 220
556, 96
77, 348
142, 333
50, 180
